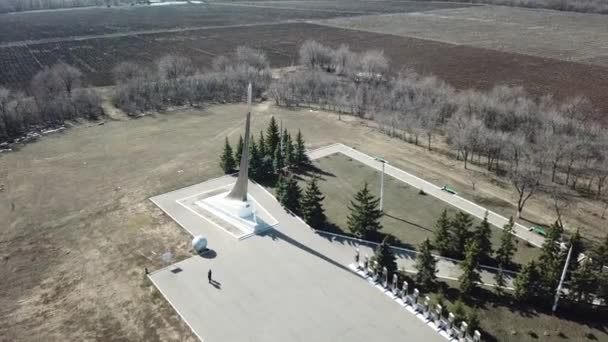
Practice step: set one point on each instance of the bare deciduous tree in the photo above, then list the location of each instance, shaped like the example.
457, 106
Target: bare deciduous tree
127, 71
562, 200
172, 67
70, 77
315, 55
342, 60
252, 57
526, 181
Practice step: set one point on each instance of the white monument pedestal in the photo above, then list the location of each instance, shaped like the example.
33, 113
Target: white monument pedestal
241, 214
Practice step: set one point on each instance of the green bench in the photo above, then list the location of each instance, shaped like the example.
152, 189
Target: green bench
539, 231
449, 190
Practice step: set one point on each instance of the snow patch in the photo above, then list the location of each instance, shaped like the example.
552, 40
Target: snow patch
167, 3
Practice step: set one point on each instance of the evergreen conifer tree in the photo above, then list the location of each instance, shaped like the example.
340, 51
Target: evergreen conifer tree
255, 161
364, 217
577, 247
288, 150
283, 139
551, 259
461, 225
472, 322
470, 268
266, 168
602, 287
280, 187
239, 151
583, 282
527, 282
262, 146
483, 235
289, 194
600, 255
501, 282
301, 159
227, 162
312, 206
507, 247
426, 265
459, 310
272, 136
385, 257
442, 234
278, 160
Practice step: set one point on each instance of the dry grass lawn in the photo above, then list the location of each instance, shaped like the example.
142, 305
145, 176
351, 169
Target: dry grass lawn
78, 229
409, 216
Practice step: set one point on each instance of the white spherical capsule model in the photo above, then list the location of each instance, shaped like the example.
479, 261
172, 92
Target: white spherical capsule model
199, 243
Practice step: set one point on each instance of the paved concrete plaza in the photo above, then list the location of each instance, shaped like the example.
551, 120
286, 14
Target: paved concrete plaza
289, 284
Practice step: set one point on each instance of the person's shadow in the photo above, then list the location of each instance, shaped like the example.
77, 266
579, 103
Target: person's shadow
215, 284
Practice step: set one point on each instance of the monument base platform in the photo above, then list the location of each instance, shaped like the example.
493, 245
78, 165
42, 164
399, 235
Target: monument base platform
241, 214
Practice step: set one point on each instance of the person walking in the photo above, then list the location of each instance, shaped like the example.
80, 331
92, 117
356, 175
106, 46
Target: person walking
209, 276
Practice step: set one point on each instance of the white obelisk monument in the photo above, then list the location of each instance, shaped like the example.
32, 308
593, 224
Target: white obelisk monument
237, 197
236, 205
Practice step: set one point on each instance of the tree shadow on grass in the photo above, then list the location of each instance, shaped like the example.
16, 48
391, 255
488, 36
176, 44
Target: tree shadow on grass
312, 170
409, 222
583, 314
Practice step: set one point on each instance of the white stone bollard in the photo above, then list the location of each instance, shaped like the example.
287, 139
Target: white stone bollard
376, 271
427, 307
385, 277
450, 327
463, 329
404, 292
438, 311
395, 286
476, 336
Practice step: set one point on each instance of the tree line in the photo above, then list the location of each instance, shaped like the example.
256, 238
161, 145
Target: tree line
174, 81
531, 140
585, 6
57, 94
7, 6
275, 154
536, 283
274, 158
586, 279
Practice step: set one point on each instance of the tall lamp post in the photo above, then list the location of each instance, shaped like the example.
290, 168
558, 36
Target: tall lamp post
561, 280
384, 162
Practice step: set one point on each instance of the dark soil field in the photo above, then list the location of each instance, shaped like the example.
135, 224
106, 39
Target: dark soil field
100, 21
462, 66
